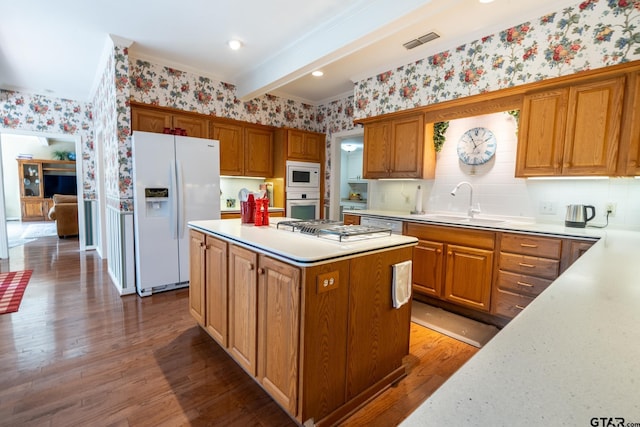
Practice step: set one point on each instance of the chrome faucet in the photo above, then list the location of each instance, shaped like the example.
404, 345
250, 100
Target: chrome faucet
471, 210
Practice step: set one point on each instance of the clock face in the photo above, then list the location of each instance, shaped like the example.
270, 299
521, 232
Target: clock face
477, 146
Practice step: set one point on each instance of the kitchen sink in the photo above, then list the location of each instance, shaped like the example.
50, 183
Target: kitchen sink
464, 219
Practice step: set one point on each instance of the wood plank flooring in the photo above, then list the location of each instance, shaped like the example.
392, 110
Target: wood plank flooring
78, 354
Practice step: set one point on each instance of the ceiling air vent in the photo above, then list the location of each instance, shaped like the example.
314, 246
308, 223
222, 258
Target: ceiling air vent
421, 40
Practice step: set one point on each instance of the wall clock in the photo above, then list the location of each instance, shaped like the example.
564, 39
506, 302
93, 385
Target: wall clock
476, 146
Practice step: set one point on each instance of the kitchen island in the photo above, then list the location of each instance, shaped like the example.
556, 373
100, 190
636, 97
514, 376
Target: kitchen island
311, 320
569, 358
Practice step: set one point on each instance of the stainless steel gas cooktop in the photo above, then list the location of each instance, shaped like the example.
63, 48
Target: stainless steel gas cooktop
334, 230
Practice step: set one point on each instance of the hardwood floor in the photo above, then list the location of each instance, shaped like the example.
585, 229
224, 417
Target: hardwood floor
76, 353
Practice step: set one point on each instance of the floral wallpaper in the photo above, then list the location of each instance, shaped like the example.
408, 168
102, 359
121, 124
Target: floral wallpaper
593, 34
38, 113
160, 85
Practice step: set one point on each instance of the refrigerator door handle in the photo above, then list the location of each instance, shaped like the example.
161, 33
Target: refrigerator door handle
173, 198
181, 213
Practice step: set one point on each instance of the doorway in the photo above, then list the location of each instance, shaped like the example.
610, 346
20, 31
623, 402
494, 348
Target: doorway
14, 142
336, 178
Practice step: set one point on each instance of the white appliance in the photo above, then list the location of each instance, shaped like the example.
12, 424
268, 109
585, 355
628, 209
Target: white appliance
302, 176
176, 180
303, 204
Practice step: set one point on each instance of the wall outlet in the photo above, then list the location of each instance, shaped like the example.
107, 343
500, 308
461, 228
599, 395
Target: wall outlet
611, 208
547, 208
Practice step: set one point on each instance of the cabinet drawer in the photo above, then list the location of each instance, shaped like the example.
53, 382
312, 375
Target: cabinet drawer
531, 266
522, 283
546, 247
509, 304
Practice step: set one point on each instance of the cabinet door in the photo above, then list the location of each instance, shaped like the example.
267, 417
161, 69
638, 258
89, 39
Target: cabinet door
593, 128
32, 210
428, 268
258, 152
195, 127
231, 148
149, 120
376, 162
30, 179
541, 133
468, 276
630, 143
279, 331
216, 289
243, 307
304, 146
197, 273
407, 147
577, 249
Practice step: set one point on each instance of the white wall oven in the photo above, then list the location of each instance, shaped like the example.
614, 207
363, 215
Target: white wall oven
303, 176
303, 204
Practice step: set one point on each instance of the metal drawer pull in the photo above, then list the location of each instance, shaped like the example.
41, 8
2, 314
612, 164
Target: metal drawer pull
519, 307
522, 264
528, 245
525, 284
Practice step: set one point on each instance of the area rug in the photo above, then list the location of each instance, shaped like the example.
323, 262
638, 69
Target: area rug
12, 286
34, 231
460, 328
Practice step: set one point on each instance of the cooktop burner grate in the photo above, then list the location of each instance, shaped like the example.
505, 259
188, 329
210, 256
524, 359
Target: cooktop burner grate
334, 230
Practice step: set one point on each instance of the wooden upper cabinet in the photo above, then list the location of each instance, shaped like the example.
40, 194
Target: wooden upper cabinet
244, 150
196, 127
399, 148
150, 120
630, 138
593, 127
155, 119
304, 146
231, 148
258, 152
376, 151
541, 133
573, 130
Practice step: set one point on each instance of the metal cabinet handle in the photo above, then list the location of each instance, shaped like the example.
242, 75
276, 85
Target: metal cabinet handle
528, 245
438, 251
519, 307
525, 284
522, 264
449, 253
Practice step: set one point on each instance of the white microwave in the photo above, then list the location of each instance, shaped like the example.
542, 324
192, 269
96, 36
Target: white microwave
302, 176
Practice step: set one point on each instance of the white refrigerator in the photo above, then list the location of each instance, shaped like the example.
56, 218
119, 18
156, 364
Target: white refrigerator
176, 180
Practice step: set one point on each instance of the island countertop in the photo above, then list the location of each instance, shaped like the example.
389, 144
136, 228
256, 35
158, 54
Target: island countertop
295, 248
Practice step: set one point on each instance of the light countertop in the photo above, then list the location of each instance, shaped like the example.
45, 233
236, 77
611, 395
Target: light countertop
572, 355
295, 248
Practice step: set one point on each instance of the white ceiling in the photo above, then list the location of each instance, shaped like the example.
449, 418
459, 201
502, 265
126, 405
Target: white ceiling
55, 47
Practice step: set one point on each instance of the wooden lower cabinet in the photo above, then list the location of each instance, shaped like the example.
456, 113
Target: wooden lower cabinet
279, 330
453, 264
319, 351
428, 268
468, 276
243, 307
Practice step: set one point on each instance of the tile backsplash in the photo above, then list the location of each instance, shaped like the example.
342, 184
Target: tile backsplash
497, 190
230, 187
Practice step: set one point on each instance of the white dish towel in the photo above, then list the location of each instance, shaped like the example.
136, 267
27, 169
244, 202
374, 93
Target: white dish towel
401, 283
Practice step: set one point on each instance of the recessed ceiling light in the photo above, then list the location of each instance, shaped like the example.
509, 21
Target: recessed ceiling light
317, 73
235, 44
485, 1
